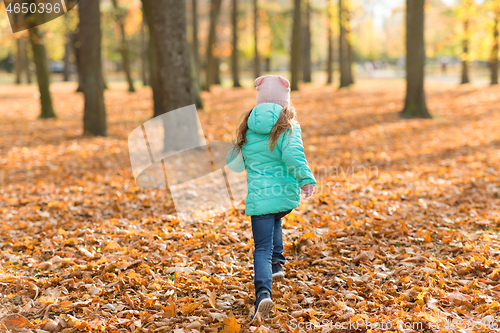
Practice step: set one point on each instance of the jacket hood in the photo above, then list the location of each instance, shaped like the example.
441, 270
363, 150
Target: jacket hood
263, 117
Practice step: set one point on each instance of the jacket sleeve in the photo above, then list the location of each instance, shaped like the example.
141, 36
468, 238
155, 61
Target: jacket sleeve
293, 156
235, 161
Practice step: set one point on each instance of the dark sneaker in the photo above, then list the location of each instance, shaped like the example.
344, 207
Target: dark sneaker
263, 305
278, 274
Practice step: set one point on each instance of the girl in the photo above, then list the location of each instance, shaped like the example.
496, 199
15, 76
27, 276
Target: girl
269, 139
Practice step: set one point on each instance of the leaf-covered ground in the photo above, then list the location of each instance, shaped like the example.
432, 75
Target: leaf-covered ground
403, 231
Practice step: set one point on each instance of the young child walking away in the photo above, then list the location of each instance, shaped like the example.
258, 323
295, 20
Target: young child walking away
269, 139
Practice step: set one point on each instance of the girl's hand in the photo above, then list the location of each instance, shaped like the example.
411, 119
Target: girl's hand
308, 190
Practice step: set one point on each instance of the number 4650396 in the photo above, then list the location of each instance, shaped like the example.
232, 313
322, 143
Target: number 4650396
33, 8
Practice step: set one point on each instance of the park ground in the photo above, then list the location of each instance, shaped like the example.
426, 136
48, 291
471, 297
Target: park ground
403, 230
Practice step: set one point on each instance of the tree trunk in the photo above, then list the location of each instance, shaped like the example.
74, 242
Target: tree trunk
42, 73
344, 62
124, 45
75, 39
19, 58
153, 63
330, 44
154, 78
20, 49
256, 59
217, 70
196, 83
94, 117
67, 52
67, 62
465, 55
494, 58
194, 56
306, 44
295, 61
211, 61
350, 58
350, 50
415, 103
169, 28
26, 62
196, 41
234, 53
144, 51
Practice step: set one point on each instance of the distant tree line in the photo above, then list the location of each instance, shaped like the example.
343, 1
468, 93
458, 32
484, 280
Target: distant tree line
171, 66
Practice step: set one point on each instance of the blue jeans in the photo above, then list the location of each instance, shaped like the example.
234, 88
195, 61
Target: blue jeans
268, 239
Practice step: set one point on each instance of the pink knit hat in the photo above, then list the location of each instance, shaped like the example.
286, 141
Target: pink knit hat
273, 89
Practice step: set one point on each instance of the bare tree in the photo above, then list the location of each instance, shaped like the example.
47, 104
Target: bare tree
295, 52
94, 116
120, 15
415, 103
42, 73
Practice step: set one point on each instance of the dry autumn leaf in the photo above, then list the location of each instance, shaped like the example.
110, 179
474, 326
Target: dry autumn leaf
170, 310
15, 321
231, 325
188, 308
211, 298
112, 246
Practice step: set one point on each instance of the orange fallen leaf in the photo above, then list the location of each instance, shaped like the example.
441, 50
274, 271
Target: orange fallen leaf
112, 246
47, 300
65, 304
170, 310
231, 324
129, 301
15, 321
187, 309
133, 275
13, 201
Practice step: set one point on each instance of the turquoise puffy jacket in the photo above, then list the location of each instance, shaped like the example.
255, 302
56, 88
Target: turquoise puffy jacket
274, 177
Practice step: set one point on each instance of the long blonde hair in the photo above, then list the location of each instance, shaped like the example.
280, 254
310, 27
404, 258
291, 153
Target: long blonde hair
283, 123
